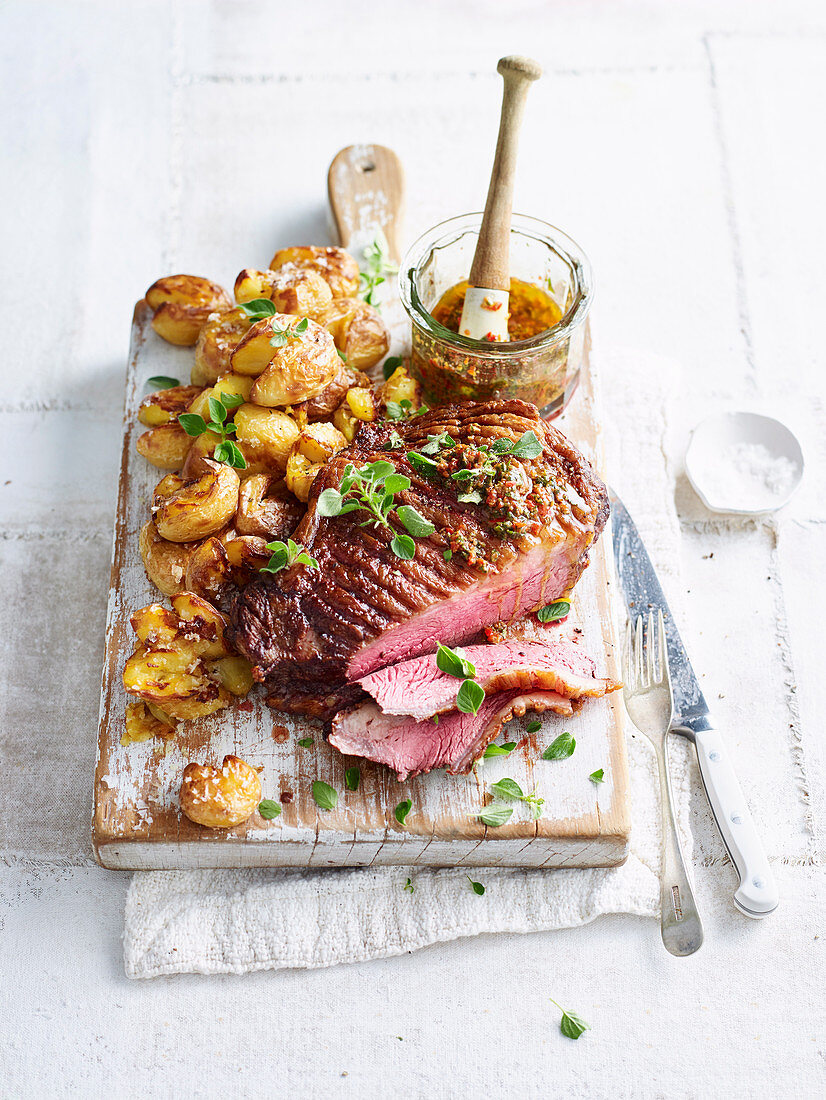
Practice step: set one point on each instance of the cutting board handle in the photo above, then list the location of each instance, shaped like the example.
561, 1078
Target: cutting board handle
366, 188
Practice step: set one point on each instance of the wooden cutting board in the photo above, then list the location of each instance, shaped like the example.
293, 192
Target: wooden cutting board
137, 821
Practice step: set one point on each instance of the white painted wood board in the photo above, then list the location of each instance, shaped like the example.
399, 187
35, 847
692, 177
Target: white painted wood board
137, 819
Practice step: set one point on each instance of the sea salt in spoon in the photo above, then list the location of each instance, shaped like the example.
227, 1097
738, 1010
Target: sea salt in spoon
743, 463
485, 312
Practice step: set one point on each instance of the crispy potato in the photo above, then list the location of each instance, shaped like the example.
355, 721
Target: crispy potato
235, 673
207, 569
319, 442
265, 437
220, 797
299, 370
358, 330
267, 508
199, 507
337, 267
164, 406
144, 721
251, 284
346, 423
181, 305
362, 403
165, 562
303, 293
218, 339
325, 403
246, 555
165, 447
237, 384
199, 455
300, 475
401, 385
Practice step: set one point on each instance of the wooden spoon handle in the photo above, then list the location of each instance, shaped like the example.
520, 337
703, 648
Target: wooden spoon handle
491, 261
366, 188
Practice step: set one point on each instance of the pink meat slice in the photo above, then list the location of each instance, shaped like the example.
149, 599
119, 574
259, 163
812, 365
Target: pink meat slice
411, 746
418, 688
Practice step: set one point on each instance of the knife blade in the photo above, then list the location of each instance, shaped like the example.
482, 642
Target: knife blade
757, 894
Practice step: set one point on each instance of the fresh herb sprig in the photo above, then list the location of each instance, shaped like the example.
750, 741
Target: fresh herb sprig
478, 888
400, 410
285, 554
499, 750
227, 450
571, 1025
378, 266
526, 446
561, 748
510, 790
373, 489
259, 309
280, 336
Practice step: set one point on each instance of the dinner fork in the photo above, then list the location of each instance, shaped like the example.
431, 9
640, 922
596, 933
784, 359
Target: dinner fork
650, 704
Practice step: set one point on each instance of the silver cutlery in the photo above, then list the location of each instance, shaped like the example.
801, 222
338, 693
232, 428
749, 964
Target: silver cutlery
647, 690
757, 895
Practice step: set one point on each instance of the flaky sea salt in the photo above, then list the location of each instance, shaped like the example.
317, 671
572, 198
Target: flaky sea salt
747, 476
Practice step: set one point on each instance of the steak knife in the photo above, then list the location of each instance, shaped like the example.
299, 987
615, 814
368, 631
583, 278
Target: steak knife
757, 894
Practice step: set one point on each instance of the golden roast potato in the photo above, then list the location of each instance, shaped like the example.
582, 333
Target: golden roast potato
165, 447
401, 386
173, 666
358, 330
220, 797
267, 508
198, 507
165, 406
325, 403
316, 444
165, 562
246, 554
144, 721
337, 267
181, 305
265, 437
207, 569
218, 339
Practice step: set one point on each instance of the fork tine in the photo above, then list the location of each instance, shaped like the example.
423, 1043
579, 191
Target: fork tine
639, 653
651, 650
628, 671
662, 652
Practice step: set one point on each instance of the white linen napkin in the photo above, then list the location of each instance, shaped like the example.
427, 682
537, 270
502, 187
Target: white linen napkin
235, 921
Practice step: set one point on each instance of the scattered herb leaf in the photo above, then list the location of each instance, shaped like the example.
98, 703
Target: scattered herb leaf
598, 776
436, 442
280, 336
394, 441
470, 697
478, 888
259, 308
422, 464
495, 815
162, 382
269, 809
306, 742
571, 1025
533, 727
409, 886
403, 547
413, 520
561, 748
352, 778
507, 789
499, 750
553, 611
447, 555
453, 663
226, 449
402, 810
325, 796
473, 497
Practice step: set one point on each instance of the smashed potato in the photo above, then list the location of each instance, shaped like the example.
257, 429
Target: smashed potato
220, 797
181, 305
207, 569
401, 386
172, 666
358, 330
265, 437
145, 721
362, 403
304, 293
165, 406
337, 267
315, 446
196, 508
165, 446
299, 368
246, 555
266, 508
165, 562
218, 339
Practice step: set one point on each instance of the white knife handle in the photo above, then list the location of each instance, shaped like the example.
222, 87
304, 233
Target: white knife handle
757, 894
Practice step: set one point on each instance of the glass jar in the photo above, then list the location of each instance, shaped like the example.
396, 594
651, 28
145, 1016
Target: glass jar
544, 368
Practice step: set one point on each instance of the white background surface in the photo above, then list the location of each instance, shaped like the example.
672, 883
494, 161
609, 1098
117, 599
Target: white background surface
681, 145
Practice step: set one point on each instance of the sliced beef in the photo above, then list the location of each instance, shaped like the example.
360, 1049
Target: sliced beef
412, 746
419, 689
308, 632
